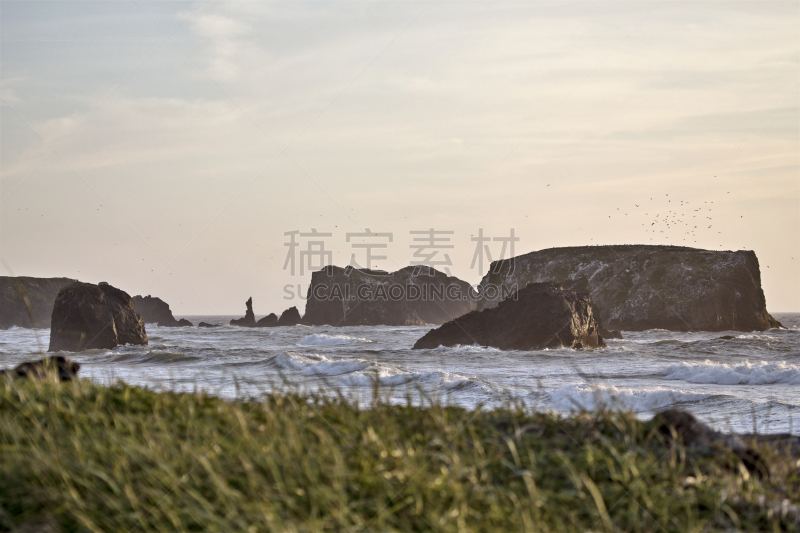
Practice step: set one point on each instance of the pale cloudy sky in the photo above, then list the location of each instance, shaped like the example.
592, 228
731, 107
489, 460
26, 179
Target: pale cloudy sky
165, 147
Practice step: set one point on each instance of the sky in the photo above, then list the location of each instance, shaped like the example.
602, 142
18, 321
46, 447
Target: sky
171, 148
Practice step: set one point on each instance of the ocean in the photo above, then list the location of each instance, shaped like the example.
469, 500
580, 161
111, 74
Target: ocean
735, 381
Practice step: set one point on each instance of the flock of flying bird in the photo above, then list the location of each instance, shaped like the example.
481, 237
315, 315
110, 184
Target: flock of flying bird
678, 218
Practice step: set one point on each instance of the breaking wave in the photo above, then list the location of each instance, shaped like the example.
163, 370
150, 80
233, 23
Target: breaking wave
466, 348
162, 357
318, 339
364, 373
592, 397
759, 373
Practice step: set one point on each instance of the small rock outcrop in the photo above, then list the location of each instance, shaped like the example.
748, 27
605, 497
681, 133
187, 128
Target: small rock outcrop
361, 297
157, 311
87, 316
27, 302
249, 318
542, 315
269, 321
682, 426
57, 365
205, 325
639, 287
290, 317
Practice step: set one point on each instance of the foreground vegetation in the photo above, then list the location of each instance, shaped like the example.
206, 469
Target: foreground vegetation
83, 457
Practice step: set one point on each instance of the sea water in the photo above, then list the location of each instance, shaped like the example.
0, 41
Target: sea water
750, 382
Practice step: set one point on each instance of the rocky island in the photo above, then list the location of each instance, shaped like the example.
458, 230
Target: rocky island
249, 318
362, 297
290, 317
87, 316
40, 294
542, 315
157, 311
639, 287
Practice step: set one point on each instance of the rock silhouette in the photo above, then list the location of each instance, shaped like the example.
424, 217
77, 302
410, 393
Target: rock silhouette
87, 316
290, 317
58, 365
269, 321
249, 318
156, 310
361, 297
542, 315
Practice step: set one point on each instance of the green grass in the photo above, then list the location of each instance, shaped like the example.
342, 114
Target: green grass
83, 457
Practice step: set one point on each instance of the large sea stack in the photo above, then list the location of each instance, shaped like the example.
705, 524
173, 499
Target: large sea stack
362, 297
28, 302
157, 311
542, 315
87, 316
639, 287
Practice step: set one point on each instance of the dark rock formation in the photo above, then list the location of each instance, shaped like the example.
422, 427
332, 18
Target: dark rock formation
87, 316
682, 425
638, 287
361, 297
269, 321
157, 311
542, 315
290, 317
249, 318
57, 365
581, 286
28, 302
679, 425
205, 325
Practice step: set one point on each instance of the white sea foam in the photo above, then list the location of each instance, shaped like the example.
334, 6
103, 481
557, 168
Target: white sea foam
324, 339
471, 348
758, 373
335, 368
755, 336
659, 341
448, 380
294, 361
367, 379
391, 376
319, 365
591, 397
